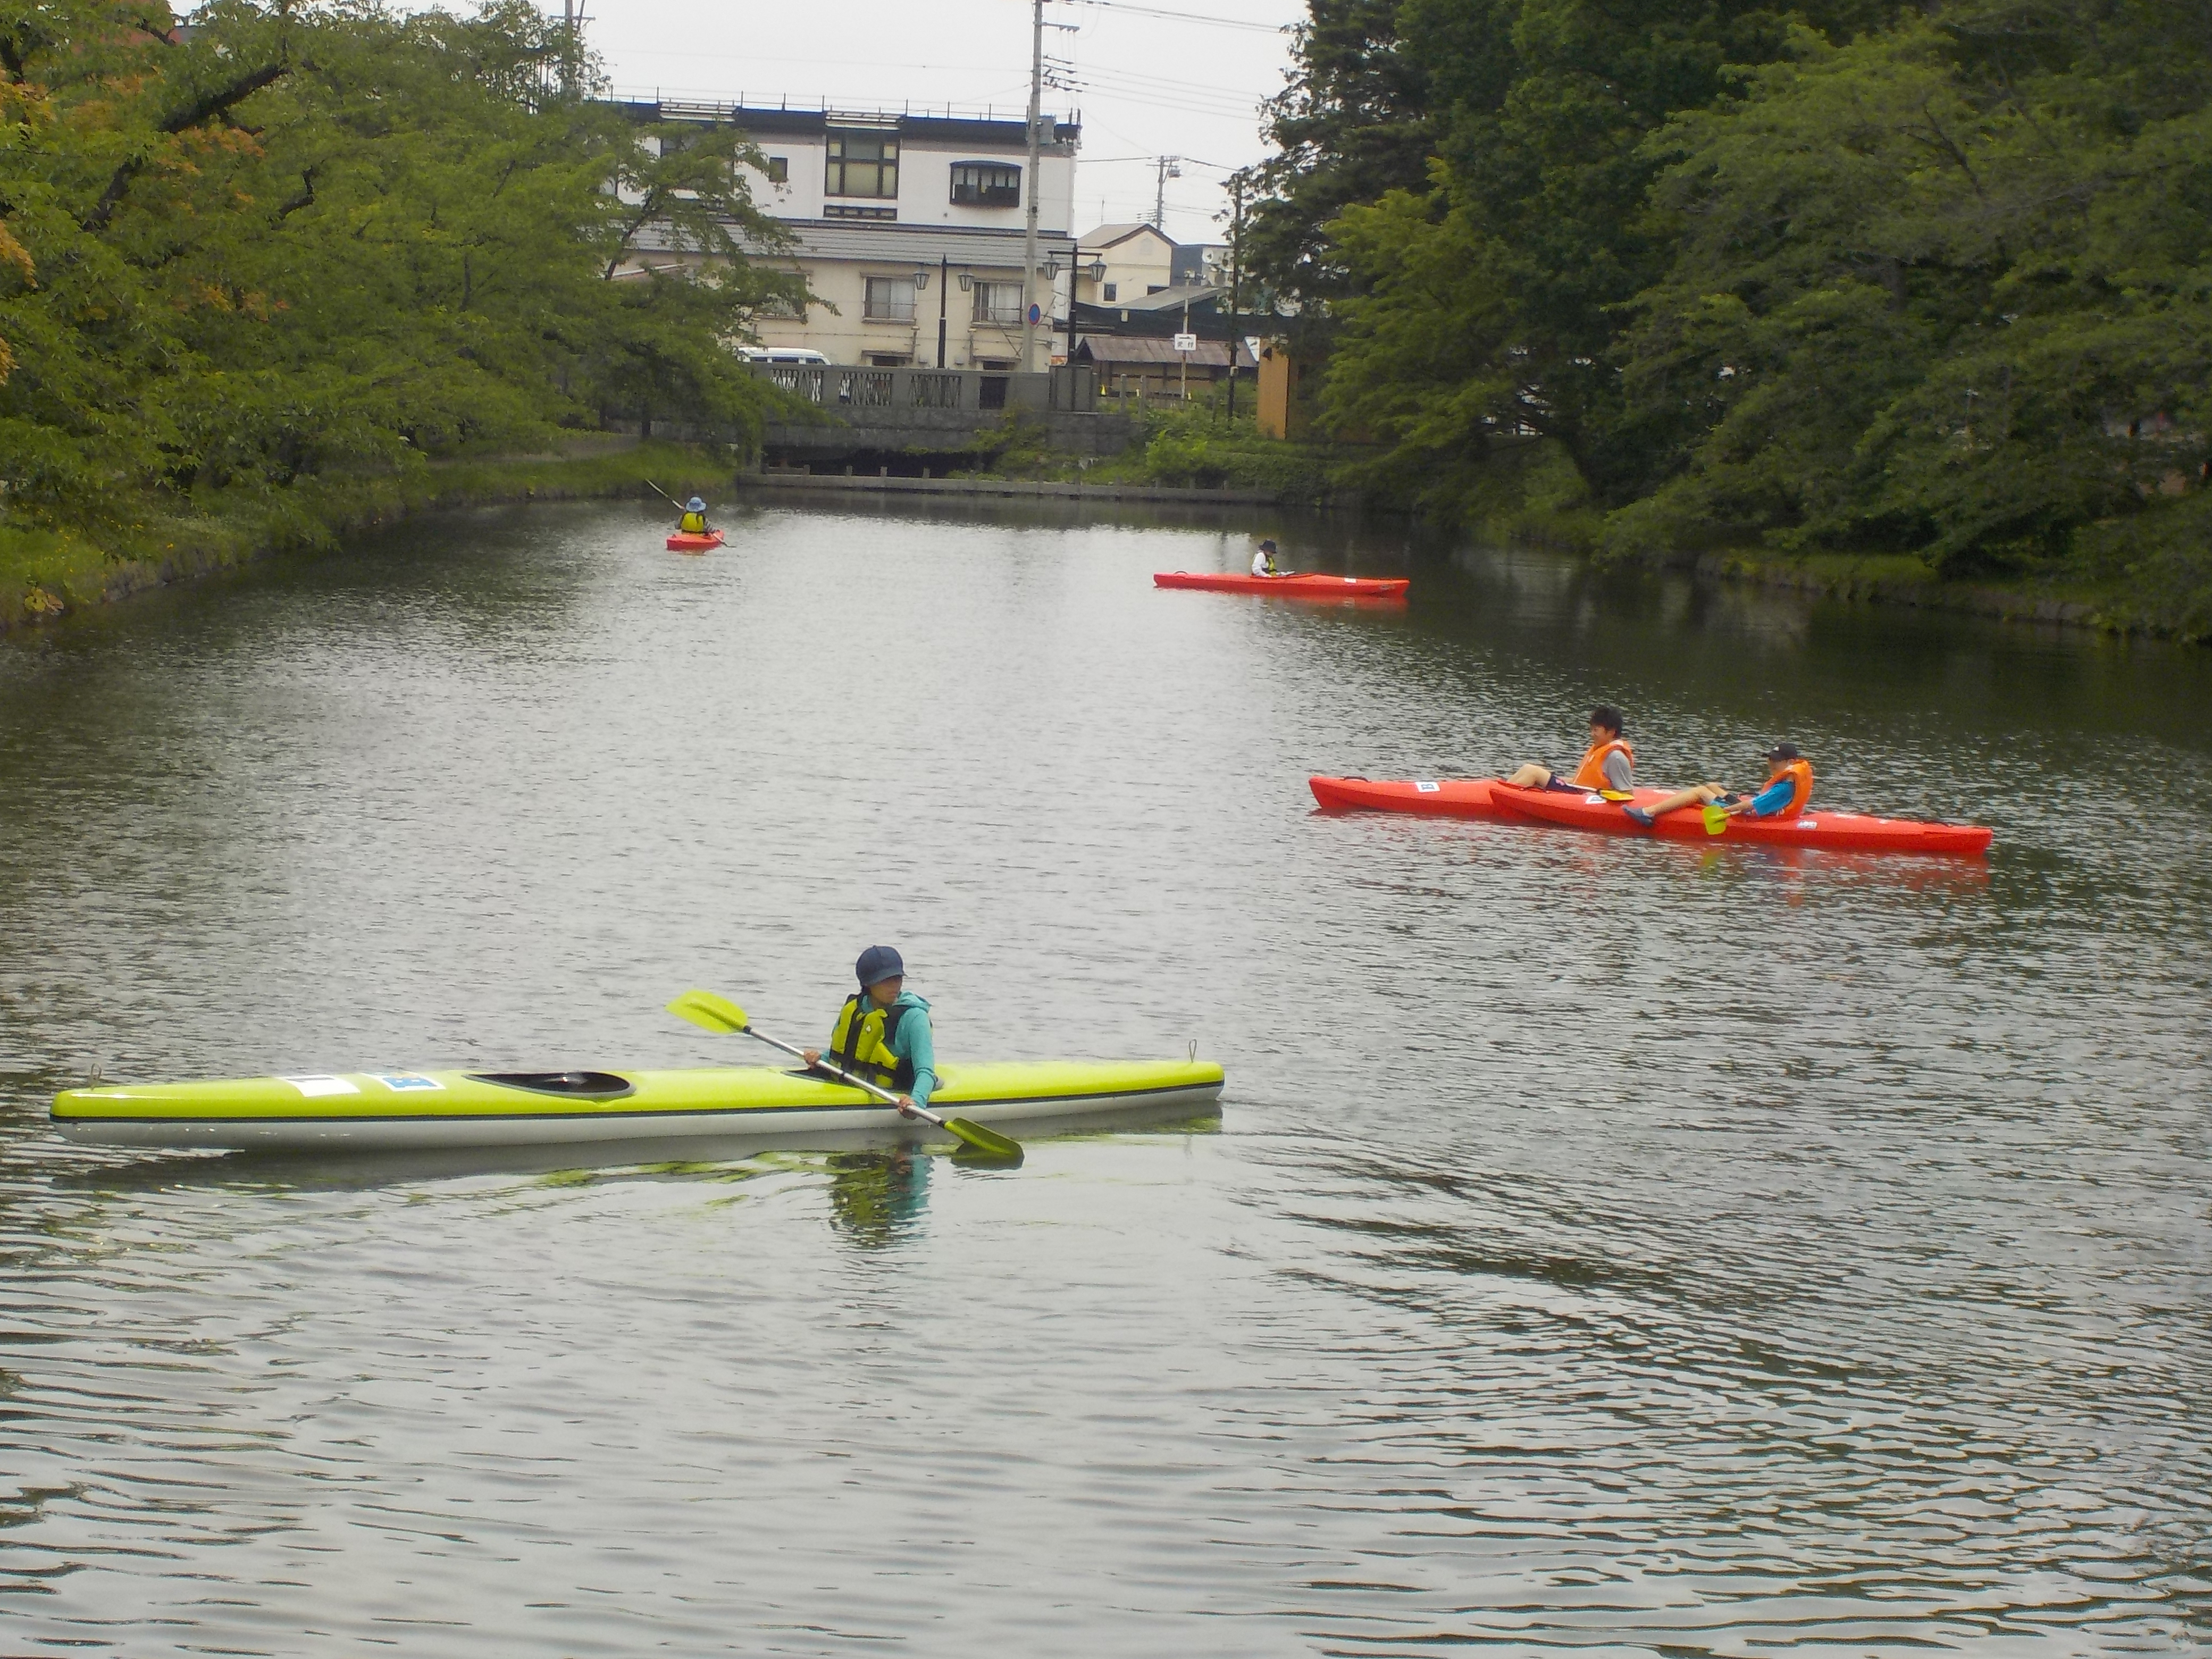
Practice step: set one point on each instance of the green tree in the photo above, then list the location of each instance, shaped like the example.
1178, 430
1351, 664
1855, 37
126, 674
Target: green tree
292, 239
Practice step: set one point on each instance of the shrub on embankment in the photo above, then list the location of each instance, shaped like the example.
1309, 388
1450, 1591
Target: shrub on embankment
47, 570
257, 275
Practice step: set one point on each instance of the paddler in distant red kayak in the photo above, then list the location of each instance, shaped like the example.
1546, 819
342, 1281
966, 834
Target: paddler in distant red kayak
694, 521
1609, 763
882, 1033
1263, 562
1789, 785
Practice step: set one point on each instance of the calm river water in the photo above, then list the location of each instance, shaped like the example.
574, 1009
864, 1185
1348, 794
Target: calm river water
1610, 1245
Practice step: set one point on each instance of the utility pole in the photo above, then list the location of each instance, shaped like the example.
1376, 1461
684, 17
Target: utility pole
1236, 253
1185, 393
943, 271
1029, 236
1168, 169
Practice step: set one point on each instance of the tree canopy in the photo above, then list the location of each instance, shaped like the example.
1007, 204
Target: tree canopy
293, 238
1849, 275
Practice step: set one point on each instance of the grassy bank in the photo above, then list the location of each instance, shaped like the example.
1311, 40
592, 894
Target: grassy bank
1879, 578
46, 570
1200, 447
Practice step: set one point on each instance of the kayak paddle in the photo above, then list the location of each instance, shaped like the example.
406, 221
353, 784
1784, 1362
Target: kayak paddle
1715, 819
722, 1017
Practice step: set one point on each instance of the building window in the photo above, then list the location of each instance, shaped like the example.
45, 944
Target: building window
889, 300
985, 183
863, 164
1109, 292
779, 169
997, 303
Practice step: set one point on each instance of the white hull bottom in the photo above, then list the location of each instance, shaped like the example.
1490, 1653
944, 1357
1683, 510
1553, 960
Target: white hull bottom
421, 1132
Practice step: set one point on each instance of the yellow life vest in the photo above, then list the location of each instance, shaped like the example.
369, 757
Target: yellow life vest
860, 1041
692, 524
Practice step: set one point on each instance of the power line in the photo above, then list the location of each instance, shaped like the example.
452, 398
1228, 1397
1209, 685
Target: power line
1189, 16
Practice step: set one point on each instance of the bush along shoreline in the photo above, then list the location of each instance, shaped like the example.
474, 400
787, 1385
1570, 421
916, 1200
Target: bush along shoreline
1767, 285
288, 271
46, 574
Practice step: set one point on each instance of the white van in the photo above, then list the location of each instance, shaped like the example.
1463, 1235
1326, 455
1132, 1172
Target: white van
781, 354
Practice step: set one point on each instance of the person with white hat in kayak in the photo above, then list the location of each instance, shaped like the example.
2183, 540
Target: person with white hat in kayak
1263, 562
882, 1033
694, 521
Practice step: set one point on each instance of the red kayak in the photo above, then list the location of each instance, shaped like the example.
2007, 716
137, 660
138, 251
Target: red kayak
1446, 798
683, 542
1849, 832
1488, 798
1288, 587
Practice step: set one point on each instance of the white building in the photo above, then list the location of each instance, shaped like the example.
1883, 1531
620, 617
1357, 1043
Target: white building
1122, 262
903, 219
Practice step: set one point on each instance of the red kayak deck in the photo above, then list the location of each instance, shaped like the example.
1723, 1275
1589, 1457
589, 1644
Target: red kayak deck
1848, 832
1288, 587
1444, 797
680, 543
1487, 798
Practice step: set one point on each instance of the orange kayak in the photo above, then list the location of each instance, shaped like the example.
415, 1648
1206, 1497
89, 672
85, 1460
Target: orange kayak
682, 543
1849, 832
1446, 798
1488, 798
1288, 587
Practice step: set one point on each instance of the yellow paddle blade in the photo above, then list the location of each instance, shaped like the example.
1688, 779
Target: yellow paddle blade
989, 1142
1715, 820
1615, 795
710, 1012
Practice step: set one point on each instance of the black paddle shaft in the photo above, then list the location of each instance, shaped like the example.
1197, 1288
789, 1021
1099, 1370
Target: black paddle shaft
884, 1095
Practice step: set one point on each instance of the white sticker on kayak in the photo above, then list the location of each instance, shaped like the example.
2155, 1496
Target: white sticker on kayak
313, 1087
1425, 789
1806, 824
404, 1082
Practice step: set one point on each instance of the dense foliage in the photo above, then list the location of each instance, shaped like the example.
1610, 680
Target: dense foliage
290, 241
1855, 275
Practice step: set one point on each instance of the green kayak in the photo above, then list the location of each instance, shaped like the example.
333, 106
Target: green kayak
408, 1109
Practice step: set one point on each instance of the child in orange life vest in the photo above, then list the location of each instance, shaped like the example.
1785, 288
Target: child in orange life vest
1789, 785
1609, 763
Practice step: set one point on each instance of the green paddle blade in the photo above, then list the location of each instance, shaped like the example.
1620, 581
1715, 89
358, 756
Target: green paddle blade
1715, 820
989, 1142
710, 1012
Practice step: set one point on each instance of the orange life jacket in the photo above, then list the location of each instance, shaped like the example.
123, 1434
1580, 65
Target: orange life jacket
1800, 774
1590, 774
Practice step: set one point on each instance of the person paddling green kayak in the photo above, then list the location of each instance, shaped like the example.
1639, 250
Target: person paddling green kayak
883, 1032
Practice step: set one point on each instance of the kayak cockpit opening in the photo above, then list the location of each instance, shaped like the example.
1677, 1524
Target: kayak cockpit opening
589, 1085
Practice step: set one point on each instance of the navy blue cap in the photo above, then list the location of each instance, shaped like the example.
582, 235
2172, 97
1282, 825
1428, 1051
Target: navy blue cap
878, 963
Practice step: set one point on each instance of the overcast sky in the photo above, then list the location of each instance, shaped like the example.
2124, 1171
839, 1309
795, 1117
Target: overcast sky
1146, 85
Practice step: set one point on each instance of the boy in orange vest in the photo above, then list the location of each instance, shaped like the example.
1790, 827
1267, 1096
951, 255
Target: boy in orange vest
1789, 785
1609, 763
